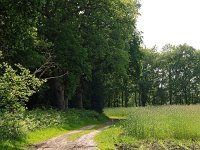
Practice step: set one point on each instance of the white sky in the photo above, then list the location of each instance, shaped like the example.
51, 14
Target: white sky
170, 21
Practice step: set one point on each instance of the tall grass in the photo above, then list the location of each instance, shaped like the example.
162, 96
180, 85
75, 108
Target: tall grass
163, 122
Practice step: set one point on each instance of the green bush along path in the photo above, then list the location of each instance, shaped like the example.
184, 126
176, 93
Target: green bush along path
39, 125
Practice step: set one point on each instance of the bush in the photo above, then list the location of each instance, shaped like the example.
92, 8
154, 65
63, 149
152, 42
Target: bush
39, 119
11, 125
16, 86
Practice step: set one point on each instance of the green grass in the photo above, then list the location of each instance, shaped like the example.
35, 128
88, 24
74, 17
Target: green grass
107, 138
166, 122
79, 134
44, 134
153, 127
41, 125
119, 112
31, 138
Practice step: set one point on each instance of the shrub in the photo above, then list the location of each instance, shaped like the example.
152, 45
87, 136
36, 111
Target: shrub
11, 125
16, 86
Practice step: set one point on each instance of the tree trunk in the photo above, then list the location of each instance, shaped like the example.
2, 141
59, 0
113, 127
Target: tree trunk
109, 101
79, 98
59, 94
170, 87
66, 102
118, 100
97, 97
136, 104
170, 96
122, 98
143, 97
139, 98
126, 97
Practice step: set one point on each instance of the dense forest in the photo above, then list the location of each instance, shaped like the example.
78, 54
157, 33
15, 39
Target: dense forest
85, 50
89, 54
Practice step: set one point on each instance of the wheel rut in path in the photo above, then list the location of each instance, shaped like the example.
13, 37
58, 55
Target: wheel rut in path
84, 142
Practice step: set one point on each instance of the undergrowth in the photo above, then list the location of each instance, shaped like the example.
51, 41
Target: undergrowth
38, 125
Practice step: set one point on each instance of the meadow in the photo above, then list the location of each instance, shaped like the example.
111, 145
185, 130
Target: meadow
162, 126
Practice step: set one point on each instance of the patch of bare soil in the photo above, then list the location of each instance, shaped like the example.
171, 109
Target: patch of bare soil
84, 142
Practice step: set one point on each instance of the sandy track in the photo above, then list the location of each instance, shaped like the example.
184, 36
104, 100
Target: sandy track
85, 142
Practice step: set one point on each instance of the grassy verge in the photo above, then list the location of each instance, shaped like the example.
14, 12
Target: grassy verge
40, 125
114, 138
109, 139
166, 127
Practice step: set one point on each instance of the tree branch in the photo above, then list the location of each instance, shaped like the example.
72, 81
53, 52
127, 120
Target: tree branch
56, 76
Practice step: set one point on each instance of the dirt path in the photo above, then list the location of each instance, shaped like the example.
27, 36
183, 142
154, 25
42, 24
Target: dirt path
84, 142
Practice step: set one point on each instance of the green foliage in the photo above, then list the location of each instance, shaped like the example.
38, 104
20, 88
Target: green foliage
11, 125
38, 119
15, 125
19, 33
167, 77
88, 40
16, 87
38, 125
53, 122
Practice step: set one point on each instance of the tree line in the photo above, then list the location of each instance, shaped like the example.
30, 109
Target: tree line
90, 54
168, 77
85, 49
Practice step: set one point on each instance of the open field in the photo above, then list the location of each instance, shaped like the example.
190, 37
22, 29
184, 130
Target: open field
160, 127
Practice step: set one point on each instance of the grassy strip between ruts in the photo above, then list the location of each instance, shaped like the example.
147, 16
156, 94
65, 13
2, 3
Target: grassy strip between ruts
66, 121
81, 133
